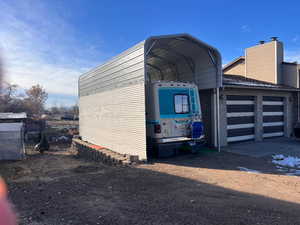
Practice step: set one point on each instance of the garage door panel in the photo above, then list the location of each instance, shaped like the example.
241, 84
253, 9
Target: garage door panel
273, 116
272, 98
240, 108
239, 97
273, 129
273, 108
240, 132
240, 120
240, 117
272, 135
240, 138
267, 119
239, 114
272, 124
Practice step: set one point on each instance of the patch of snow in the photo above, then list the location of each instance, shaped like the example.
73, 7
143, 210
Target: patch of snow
247, 170
278, 157
295, 173
282, 169
289, 161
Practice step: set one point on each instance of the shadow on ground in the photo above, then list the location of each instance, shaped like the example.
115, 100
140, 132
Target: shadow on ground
131, 195
267, 147
255, 156
221, 161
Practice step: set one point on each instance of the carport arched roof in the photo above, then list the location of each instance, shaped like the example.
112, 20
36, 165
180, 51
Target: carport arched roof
197, 61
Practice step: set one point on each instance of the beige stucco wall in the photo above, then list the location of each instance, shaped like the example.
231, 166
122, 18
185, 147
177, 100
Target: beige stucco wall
298, 74
237, 69
263, 62
290, 75
279, 55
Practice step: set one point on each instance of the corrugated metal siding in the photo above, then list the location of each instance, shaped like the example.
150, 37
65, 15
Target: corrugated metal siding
178, 64
122, 70
290, 75
11, 141
204, 71
112, 104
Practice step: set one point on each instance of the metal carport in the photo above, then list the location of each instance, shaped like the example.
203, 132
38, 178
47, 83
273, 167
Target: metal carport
112, 96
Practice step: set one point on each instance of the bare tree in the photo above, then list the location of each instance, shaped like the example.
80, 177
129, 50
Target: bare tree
75, 110
70, 112
7, 97
1, 77
54, 110
35, 100
32, 103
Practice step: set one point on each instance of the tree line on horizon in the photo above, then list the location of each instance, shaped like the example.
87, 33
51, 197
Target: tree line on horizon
32, 101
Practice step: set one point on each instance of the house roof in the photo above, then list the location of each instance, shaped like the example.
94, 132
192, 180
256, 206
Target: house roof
290, 63
242, 58
244, 82
228, 65
11, 115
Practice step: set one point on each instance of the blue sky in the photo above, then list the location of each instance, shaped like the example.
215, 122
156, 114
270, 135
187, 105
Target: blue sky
52, 42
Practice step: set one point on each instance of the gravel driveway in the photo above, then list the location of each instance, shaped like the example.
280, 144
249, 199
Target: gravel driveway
58, 188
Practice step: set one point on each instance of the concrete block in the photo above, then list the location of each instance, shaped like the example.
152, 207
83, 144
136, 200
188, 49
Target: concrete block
98, 154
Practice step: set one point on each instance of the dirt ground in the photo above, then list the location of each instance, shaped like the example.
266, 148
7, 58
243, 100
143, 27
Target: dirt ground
208, 188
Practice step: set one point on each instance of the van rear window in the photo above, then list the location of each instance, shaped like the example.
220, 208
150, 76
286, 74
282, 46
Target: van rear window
177, 107
181, 103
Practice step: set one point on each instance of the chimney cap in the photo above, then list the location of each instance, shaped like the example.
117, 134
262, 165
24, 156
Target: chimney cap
261, 42
274, 38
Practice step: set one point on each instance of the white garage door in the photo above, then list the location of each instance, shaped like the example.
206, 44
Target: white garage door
240, 118
273, 116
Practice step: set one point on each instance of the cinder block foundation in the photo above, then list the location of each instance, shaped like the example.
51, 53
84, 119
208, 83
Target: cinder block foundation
100, 154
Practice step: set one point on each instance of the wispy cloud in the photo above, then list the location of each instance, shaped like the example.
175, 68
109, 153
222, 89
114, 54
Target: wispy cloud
296, 38
40, 46
245, 28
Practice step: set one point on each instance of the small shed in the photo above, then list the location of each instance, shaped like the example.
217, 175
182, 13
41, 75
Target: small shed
9, 117
12, 141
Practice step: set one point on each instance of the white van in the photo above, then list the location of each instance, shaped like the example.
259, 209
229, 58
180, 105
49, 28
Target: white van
173, 116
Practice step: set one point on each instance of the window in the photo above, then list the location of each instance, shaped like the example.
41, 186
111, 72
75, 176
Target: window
181, 103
